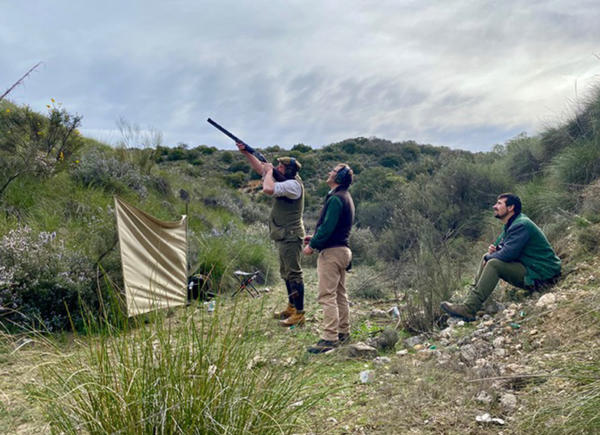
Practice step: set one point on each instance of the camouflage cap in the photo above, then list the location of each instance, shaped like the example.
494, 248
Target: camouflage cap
288, 160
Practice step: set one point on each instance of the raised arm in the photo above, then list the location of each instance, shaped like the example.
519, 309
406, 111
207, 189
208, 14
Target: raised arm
256, 164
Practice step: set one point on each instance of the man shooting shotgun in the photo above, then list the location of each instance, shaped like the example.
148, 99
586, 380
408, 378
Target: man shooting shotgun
285, 222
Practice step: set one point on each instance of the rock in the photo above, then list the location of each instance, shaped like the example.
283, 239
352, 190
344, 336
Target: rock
381, 360
425, 355
468, 353
486, 418
546, 300
332, 420
443, 358
484, 397
387, 339
498, 341
454, 321
484, 369
508, 401
447, 333
418, 347
359, 350
402, 352
500, 352
411, 341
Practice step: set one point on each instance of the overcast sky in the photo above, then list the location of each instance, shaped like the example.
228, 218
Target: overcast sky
465, 74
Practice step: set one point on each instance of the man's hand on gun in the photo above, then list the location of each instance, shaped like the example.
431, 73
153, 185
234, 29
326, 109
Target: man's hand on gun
491, 249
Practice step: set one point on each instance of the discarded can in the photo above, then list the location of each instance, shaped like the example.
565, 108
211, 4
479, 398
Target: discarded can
515, 325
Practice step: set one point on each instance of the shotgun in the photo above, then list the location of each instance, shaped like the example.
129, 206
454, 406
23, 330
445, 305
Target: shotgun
248, 148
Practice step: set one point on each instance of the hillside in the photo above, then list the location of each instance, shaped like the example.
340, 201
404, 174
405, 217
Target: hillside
423, 220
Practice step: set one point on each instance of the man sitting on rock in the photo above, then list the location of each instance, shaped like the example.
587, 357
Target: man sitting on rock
521, 255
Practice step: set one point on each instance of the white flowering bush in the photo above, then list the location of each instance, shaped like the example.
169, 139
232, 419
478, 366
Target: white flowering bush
42, 283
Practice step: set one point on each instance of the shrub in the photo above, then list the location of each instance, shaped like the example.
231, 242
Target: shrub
428, 276
368, 283
362, 243
235, 180
96, 169
41, 282
520, 158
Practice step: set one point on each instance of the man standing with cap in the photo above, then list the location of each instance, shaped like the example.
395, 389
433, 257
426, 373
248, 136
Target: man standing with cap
331, 239
285, 227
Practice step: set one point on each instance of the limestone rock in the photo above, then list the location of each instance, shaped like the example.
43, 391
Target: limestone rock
359, 350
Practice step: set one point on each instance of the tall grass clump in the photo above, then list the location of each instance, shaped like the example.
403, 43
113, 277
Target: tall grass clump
577, 165
218, 254
191, 372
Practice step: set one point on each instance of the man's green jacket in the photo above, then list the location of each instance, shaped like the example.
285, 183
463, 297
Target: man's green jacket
523, 241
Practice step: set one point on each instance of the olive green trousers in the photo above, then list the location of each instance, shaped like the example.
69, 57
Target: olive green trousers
488, 275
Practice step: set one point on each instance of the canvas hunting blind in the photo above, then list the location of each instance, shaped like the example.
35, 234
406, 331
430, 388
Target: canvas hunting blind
154, 258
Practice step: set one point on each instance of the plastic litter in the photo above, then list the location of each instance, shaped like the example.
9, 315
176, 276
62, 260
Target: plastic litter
367, 376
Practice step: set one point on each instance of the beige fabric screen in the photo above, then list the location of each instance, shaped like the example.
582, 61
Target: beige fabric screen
154, 257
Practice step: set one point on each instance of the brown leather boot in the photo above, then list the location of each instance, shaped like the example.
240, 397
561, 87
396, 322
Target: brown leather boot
458, 310
290, 309
295, 319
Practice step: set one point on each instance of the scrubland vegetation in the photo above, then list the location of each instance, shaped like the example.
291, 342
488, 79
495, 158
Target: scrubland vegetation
423, 220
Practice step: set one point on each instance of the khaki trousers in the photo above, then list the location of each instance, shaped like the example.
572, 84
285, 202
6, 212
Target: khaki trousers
331, 270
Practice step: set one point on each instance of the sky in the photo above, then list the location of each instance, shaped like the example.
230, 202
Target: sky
464, 74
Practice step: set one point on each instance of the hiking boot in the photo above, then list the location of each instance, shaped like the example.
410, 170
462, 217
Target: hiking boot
289, 310
458, 310
322, 346
343, 337
295, 319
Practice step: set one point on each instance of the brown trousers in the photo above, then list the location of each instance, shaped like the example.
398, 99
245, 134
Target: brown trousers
331, 270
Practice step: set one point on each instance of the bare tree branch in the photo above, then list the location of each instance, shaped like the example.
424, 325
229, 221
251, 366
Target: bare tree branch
18, 82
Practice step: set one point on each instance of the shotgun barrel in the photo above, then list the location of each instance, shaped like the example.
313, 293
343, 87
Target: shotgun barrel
248, 148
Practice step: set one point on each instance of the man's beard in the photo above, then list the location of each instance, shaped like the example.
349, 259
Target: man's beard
500, 216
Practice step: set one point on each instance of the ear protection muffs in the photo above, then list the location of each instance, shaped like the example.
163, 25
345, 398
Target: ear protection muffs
291, 169
341, 174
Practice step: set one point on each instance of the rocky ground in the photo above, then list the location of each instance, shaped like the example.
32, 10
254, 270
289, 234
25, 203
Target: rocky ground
503, 373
